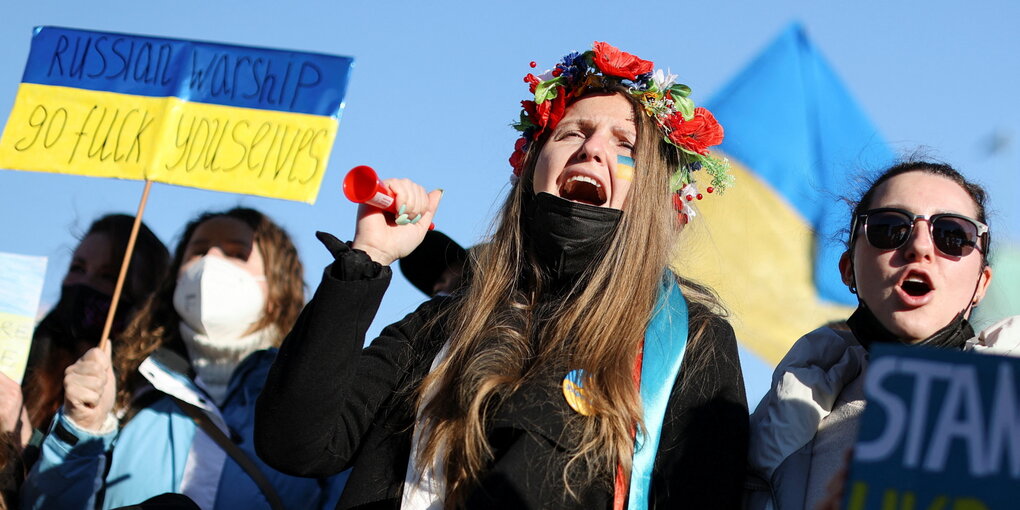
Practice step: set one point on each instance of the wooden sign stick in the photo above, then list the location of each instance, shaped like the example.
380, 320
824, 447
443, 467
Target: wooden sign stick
104, 339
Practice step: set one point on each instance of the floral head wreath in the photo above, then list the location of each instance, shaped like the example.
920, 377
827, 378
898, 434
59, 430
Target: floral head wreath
692, 130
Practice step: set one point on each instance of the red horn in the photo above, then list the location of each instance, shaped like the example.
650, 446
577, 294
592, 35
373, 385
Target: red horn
362, 186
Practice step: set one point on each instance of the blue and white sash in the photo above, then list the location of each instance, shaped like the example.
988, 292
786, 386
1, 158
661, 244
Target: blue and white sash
665, 342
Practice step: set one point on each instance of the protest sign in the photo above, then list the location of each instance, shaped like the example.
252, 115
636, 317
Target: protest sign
941, 431
214, 116
21, 284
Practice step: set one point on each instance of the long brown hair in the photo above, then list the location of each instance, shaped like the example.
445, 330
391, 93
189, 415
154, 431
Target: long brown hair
500, 339
157, 324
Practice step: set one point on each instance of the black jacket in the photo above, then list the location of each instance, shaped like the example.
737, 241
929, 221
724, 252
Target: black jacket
329, 404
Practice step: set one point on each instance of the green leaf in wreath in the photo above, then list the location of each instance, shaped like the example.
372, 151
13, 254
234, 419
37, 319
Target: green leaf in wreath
547, 90
680, 90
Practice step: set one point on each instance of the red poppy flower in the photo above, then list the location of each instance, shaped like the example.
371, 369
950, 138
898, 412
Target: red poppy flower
557, 107
547, 114
517, 158
610, 60
697, 134
529, 108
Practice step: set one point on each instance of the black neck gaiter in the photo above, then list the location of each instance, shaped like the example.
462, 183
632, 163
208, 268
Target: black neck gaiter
567, 237
868, 330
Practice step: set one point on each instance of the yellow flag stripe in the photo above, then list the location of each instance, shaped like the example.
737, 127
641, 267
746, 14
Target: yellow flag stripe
223, 148
755, 250
15, 342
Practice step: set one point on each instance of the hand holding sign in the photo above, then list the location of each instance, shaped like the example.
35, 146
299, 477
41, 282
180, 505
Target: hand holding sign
215, 116
90, 389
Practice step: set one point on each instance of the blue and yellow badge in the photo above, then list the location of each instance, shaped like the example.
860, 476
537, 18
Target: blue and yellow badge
573, 391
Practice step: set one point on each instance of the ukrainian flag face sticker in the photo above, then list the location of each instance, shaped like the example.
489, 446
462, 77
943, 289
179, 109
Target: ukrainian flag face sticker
625, 168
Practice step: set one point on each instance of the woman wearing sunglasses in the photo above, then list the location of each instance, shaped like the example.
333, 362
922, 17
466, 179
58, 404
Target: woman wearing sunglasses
917, 259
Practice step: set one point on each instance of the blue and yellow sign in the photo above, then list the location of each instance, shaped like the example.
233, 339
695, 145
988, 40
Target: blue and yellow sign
940, 431
227, 118
21, 284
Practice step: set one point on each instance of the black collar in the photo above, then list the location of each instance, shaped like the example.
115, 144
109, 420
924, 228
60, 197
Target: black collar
868, 330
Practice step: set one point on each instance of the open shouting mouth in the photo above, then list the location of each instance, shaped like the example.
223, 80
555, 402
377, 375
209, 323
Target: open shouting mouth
915, 288
584, 189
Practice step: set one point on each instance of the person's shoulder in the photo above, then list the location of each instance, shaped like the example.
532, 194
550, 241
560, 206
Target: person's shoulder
260, 359
252, 371
433, 310
823, 348
716, 324
1001, 338
712, 350
424, 330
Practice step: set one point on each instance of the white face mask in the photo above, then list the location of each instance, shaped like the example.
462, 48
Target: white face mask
218, 299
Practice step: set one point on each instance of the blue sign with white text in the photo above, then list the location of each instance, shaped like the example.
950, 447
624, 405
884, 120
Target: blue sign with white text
941, 431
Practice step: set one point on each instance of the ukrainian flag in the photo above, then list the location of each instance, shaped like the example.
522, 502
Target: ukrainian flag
770, 246
215, 116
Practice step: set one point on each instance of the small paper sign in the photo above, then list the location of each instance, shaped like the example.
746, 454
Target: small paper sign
21, 284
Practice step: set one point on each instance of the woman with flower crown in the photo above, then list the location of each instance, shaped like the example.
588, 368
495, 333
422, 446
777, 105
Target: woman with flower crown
575, 369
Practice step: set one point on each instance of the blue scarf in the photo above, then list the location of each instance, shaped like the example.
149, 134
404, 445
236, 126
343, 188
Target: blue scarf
665, 342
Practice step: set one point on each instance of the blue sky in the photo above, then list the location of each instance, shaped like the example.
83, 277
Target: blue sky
436, 85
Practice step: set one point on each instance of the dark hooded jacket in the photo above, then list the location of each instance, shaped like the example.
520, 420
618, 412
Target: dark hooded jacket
330, 405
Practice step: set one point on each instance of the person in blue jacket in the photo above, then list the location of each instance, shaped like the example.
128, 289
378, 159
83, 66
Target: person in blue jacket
172, 409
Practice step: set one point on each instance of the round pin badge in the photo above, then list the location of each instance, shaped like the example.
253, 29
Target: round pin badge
573, 391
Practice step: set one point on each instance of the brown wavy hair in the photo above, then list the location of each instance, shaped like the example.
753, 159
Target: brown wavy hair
157, 323
502, 336
44, 382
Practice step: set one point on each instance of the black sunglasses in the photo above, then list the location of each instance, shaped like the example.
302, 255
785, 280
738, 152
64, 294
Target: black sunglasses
889, 228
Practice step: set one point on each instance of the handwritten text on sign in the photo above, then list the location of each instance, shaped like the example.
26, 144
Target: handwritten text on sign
228, 118
21, 283
941, 430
